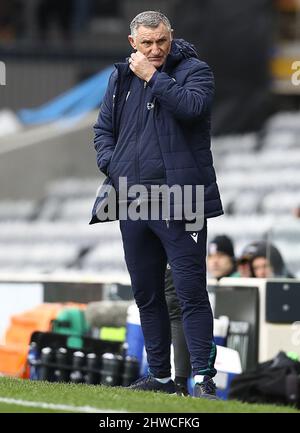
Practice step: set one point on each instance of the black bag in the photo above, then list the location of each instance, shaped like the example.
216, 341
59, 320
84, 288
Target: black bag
275, 381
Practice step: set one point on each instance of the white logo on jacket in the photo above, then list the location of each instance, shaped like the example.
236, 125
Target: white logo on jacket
150, 105
194, 236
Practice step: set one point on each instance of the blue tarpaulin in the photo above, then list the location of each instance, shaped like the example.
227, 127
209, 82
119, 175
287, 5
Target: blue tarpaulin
77, 101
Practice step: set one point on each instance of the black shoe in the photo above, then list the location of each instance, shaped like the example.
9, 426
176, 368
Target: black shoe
181, 386
206, 389
148, 383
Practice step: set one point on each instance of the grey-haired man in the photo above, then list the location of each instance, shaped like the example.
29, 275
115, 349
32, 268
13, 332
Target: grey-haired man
154, 129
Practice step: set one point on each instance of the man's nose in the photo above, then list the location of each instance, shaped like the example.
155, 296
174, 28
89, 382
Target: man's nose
155, 50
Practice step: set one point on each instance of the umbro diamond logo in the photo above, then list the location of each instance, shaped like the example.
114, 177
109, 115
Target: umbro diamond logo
194, 236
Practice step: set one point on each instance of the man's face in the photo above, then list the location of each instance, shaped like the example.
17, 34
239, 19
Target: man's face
262, 268
219, 265
244, 269
154, 43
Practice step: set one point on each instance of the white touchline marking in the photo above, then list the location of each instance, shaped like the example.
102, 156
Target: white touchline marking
42, 405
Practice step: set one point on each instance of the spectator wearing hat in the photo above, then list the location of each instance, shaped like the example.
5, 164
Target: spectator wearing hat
267, 262
243, 262
221, 261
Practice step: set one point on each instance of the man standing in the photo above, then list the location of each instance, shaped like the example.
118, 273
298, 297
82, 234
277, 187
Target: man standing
154, 129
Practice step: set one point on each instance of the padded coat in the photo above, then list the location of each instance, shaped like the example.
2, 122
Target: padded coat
159, 132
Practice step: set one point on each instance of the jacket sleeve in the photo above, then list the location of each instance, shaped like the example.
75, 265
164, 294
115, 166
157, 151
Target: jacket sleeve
104, 142
189, 100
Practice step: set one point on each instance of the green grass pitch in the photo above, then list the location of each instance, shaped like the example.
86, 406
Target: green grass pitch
111, 399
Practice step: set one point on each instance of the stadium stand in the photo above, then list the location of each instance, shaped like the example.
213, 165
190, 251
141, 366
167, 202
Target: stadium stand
49, 177
259, 180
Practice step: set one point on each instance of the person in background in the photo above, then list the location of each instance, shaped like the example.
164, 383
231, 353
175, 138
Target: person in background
59, 12
221, 261
243, 261
10, 20
267, 262
182, 361
296, 211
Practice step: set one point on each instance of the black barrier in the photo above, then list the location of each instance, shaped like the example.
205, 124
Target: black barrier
53, 361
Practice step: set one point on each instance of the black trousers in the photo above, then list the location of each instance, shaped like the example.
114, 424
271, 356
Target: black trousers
148, 246
181, 352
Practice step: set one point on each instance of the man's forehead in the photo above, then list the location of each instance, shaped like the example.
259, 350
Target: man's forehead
157, 33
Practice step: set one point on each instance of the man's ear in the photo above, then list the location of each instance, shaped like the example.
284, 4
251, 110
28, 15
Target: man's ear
132, 42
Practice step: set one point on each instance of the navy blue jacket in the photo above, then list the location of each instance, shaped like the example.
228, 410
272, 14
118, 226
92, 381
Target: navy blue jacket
159, 132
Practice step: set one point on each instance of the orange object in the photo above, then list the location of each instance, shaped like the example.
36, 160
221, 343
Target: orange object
13, 354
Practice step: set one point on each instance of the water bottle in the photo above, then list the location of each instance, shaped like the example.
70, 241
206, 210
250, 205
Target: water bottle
92, 376
47, 364
61, 373
131, 370
111, 369
33, 361
78, 363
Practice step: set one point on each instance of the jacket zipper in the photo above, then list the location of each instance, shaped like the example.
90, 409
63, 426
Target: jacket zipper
162, 159
158, 142
139, 129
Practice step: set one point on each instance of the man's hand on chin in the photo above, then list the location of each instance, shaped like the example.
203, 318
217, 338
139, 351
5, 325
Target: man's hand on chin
141, 67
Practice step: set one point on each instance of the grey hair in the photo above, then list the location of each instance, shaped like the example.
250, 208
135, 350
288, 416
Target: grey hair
149, 19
